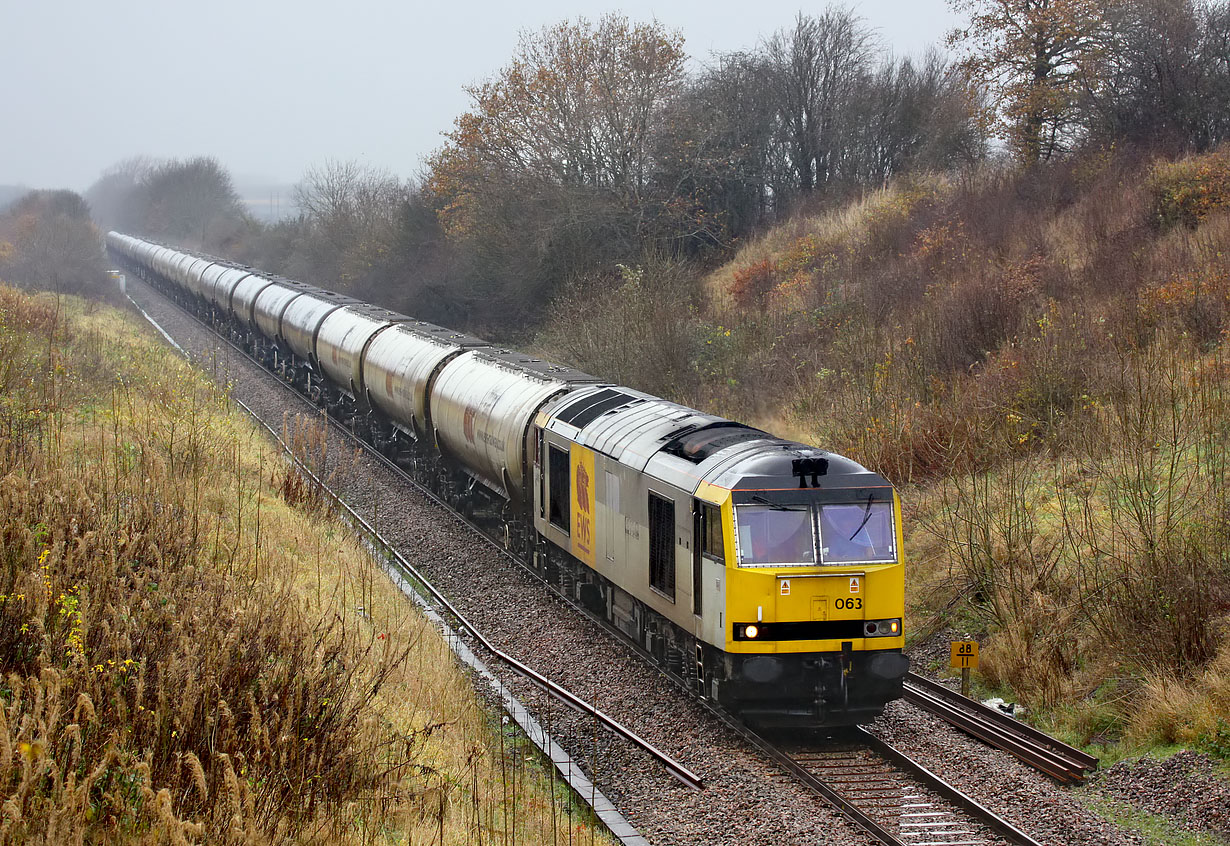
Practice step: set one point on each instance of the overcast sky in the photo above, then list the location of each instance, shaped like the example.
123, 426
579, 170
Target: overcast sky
271, 87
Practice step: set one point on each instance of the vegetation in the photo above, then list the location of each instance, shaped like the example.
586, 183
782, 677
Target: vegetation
186, 657
1001, 281
1041, 358
48, 240
191, 202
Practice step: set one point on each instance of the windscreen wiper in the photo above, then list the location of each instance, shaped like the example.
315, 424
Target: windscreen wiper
866, 517
776, 506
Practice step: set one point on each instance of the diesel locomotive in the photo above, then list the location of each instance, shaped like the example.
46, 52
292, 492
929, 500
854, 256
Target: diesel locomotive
762, 573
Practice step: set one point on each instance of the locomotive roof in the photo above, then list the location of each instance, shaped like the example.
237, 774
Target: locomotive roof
685, 447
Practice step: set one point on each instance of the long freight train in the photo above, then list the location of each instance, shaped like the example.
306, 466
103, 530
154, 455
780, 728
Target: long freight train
765, 574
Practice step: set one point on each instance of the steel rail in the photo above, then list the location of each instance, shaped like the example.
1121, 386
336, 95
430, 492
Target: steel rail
809, 779
978, 812
933, 782
1066, 764
675, 768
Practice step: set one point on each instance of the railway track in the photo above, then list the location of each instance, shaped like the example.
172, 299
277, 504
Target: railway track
886, 793
452, 618
1065, 764
882, 791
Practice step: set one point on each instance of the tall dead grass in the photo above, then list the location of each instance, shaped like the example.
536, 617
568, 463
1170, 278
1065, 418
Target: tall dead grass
187, 658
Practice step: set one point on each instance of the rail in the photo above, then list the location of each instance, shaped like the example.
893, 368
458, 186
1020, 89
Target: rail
850, 807
676, 769
1065, 764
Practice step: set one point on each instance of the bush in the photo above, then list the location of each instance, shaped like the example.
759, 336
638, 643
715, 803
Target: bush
1186, 192
752, 283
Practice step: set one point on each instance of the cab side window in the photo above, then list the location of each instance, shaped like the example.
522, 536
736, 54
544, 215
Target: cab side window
561, 487
708, 544
711, 533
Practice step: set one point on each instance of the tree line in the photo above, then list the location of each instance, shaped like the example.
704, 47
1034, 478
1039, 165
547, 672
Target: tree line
597, 146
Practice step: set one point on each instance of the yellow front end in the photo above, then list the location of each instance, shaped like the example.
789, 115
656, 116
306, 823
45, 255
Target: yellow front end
849, 592
813, 644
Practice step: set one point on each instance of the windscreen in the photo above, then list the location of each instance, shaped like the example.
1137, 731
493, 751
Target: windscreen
786, 535
775, 535
857, 532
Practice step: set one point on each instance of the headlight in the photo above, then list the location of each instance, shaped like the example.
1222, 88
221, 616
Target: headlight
751, 632
882, 628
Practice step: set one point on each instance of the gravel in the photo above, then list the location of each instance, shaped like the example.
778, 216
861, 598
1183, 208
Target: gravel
1187, 788
747, 799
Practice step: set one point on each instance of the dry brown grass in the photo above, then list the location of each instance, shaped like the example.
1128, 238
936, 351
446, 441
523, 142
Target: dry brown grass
1190, 711
185, 656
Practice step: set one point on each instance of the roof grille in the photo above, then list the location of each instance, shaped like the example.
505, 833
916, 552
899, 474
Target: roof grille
586, 411
695, 444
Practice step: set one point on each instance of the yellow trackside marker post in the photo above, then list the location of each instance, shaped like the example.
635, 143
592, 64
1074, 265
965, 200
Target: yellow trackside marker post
964, 657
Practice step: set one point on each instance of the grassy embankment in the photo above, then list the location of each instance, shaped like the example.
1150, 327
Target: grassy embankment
1040, 360
182, 651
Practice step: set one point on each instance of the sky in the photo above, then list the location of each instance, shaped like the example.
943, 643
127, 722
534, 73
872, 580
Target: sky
273, 87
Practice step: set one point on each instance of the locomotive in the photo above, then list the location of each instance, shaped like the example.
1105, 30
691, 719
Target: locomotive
764, 574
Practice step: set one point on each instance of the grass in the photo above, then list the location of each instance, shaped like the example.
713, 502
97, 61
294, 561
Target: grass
1039, 361
185, 654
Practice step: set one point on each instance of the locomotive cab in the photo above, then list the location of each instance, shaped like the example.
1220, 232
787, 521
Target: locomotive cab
814, 591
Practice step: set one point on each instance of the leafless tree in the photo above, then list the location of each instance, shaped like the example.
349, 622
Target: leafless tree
191, 202
112, 195
816, 66
1168, 75
910, 115
345, 198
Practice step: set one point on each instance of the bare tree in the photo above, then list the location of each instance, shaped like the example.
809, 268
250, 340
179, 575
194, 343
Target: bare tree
718, 142
911, 115
816, 66
112, 196
346, 199
191, 202
1167, 76
349, 215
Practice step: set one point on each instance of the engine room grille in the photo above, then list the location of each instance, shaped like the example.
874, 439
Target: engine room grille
586, 411
662, 545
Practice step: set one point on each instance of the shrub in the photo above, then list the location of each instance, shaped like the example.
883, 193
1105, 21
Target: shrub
1195, 301
1185, 192
752, 283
